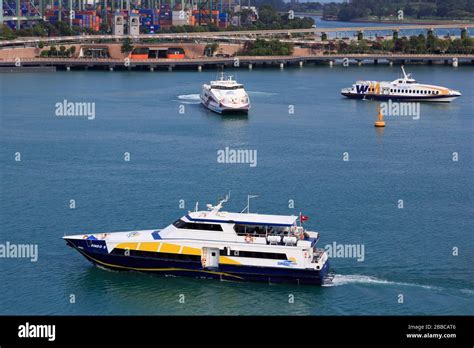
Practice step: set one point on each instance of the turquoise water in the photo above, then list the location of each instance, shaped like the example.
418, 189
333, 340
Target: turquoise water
300, 157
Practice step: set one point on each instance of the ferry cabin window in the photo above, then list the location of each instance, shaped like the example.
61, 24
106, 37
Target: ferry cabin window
228, 87
259, 230
196, 226
257, 254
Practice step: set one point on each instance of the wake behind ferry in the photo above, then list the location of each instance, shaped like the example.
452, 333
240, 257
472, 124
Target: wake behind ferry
225, 96
406, 89
215, 244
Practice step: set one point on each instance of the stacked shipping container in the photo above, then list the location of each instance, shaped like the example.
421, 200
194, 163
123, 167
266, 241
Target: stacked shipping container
151, 19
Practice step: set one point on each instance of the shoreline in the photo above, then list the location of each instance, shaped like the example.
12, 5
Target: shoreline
245, 62
405, 22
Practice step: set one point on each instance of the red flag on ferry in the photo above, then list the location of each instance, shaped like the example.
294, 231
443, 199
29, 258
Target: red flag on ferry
303, 218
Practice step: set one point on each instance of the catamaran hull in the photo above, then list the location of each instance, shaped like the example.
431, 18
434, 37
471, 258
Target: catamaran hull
193, 268
434, 98
226, 110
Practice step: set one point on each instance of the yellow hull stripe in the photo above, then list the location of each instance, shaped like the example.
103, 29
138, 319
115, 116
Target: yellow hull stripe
228, 261
156, 269
153, 246
129, 246
170, 248
191, 251
173, 249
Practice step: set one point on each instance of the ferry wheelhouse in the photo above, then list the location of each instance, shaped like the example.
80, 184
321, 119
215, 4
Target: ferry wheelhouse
406, 89
214, 244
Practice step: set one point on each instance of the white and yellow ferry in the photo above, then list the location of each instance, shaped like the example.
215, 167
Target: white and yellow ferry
214, 244
406, 89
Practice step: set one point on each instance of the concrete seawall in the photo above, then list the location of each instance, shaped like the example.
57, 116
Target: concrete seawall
236, 62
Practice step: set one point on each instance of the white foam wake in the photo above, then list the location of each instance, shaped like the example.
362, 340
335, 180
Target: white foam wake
189, 98
343, 279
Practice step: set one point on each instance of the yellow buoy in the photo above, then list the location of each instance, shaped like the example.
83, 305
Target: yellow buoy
380, 122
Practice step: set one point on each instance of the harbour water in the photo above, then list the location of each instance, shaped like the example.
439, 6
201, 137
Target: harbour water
173, 142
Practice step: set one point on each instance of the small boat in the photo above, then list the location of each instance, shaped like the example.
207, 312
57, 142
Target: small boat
406, 89
225, 96
215, 244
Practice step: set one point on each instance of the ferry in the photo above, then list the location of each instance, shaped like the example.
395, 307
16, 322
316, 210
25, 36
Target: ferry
215, 244
406, 89
225, 96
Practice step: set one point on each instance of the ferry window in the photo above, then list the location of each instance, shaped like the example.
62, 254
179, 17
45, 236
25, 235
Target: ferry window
262, 255
250, 229
197, 226
228, 87
179, 223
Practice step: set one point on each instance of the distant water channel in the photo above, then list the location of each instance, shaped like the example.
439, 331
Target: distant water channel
373, 32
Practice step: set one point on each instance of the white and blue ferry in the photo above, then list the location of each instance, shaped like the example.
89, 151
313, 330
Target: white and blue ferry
405, 88
215, 244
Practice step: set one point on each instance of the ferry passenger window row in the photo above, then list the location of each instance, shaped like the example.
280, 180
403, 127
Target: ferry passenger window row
254, 254
196, 226
259, 230
415, 91
227, 87
250, 229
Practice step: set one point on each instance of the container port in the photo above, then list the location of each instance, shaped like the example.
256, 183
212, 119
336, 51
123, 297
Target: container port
99, 16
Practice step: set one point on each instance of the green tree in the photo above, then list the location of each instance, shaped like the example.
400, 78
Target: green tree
6, 32
210, 49
53, 51
126, 46
268, 15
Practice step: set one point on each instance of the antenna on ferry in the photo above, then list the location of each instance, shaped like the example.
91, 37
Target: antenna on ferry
248, 203
216, 208
196, 208
404, 73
